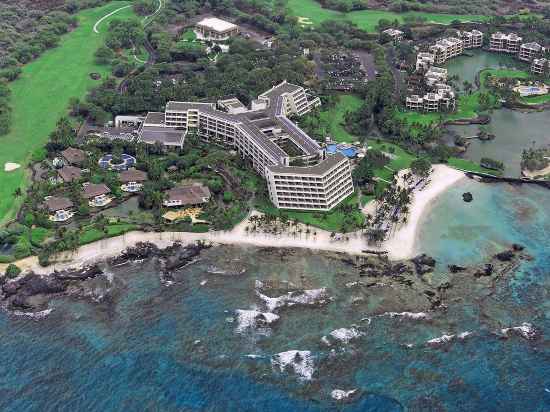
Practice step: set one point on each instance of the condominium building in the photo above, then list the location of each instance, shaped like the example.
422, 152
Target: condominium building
435, 75
396, 35
530, 51
471, 39
506, 43
443, 99
540, 67
265, 136
215, 29
445, 49
424, 61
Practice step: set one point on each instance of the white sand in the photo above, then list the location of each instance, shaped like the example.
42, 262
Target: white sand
10, 166
402, 243
400, 246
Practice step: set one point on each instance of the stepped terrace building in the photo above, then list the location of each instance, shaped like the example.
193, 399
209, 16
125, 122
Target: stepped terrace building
540, 67
530, 51
424, 61
276, 147
506, 43
443, 99
471, 39
446, 49
435, 76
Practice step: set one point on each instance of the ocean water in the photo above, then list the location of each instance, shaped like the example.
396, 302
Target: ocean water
149, 345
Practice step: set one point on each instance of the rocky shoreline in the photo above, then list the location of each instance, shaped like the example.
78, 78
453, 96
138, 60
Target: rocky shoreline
409, 281
32, 292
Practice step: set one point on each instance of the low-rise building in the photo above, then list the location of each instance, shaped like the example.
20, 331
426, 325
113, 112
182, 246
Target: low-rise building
394, 34
471, 39
73, 156
96, 193
540, 67
132, 180
69, 174
505, 43
445, 49
214, 29
530, 51
189, 195
59, 208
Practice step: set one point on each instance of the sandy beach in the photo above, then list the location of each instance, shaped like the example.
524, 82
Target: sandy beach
401, 245
403, 242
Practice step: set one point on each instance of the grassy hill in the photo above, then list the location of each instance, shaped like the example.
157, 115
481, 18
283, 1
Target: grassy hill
41, 95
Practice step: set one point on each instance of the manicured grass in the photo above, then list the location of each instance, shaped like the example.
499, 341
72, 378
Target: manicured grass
92, 234
416, 117
536, 99
368, 19
41, 95
468, 165
39, 235
334, 221
334, 117
515, 74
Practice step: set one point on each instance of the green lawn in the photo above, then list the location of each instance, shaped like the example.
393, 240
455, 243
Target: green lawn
468, 165
334, 117
367, 19
536, 99
333, 221
39, 235
42, 94
516, 74
92, 234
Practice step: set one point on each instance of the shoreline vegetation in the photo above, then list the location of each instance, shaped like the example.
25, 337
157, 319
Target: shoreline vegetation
402, 244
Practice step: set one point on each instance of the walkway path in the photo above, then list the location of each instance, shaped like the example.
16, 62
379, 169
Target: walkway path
96, 25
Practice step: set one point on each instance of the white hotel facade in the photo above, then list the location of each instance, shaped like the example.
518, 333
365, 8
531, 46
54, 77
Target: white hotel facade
299, 173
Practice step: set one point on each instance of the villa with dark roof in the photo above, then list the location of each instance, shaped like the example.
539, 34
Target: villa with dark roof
264, 135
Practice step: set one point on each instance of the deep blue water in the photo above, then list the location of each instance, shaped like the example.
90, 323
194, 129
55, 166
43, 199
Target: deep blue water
137, 349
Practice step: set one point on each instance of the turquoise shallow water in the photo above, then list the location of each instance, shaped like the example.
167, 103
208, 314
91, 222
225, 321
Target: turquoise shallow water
149, 346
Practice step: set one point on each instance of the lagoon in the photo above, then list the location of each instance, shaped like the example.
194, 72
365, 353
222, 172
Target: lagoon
514, 130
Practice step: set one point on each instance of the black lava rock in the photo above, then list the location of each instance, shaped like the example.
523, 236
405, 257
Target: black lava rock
467, 197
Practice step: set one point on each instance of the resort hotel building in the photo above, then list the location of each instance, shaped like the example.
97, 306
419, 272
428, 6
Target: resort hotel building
215, 29
530, 51
540, 67
299, 172
506, 43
